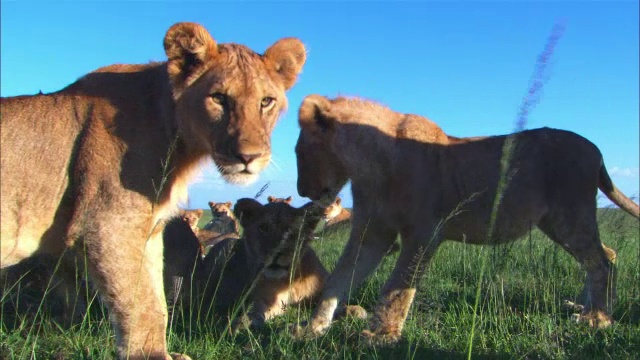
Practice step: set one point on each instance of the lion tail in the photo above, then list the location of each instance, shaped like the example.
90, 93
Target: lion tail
615, 195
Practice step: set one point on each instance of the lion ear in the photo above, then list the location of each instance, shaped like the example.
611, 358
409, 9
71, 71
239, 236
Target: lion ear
270, 198
199, 212
288, 200
316, 111
246, 210
211, 204
229, 204
286, 57
188, 47
338, 200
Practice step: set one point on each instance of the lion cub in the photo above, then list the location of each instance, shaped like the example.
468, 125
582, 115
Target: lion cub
273, 262
409, 178
192, 217
335, 214
284, 200
224, 221
223, 225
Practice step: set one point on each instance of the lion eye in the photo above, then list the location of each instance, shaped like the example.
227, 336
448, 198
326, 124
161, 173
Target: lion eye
267, 101
219, 98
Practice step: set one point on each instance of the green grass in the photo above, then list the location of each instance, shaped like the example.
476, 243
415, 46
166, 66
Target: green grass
519, 314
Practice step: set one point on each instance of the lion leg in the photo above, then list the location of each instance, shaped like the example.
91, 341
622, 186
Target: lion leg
398, 292
351, 311
367, 245
128, 273
582, 241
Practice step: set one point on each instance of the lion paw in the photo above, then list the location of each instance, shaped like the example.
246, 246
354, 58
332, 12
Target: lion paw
381, 337
305, 331
595, 318
356, 311
177, 356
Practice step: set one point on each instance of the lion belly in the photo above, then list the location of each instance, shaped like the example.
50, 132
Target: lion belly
542, 176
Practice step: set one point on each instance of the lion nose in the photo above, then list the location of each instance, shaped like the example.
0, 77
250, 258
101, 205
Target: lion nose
248, 158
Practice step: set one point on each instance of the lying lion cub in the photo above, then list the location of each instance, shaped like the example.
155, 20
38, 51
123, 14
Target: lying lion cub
335, 214
272, 262
409, 177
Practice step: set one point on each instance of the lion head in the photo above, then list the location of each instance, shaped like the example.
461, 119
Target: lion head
276, 234
221, 210
228, 98
333, 210
275, 199
320, 175
191, 217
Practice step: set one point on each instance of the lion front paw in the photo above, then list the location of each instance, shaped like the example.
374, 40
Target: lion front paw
177, 356
356, 311
594, 318
381, 337
306, 331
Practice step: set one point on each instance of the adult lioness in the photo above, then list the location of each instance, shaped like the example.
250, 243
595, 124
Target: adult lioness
409, 177
130, 137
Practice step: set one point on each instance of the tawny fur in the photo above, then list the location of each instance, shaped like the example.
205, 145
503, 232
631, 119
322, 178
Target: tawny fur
275, 199
223, 221
274, 257
109, 158
192, 217
335, 214
410, 178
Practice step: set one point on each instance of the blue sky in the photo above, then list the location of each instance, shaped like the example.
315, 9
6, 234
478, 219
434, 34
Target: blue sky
464, 64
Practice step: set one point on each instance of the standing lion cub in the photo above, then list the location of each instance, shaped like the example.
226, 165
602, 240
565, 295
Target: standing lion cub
131, 137
410, 178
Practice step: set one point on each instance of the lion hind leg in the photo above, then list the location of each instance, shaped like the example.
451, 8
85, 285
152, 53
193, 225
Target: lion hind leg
580, 238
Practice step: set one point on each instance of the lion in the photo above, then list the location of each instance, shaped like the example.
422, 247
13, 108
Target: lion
224, 221
132, 137
192, 217
410, 178
335, 214
272, 262
287, 200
